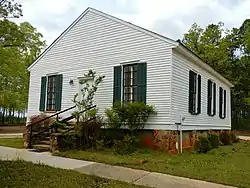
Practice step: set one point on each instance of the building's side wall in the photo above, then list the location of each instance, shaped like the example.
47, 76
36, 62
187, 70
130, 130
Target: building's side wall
180, 92
99, 43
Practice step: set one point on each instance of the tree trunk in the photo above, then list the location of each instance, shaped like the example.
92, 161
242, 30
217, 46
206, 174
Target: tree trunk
13, 116
3, 118
3, 115
9, 116
18, 117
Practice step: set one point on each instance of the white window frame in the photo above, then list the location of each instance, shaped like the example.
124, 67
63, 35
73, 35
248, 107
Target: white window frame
122, 64
46, 91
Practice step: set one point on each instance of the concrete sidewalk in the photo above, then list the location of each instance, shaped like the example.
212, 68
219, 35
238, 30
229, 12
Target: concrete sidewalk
139, 177
246, 138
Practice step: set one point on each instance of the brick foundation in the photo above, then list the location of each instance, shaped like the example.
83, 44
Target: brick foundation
166, 140
26, 137
54, 142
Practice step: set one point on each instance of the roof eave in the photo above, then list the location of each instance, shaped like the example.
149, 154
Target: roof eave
58, 38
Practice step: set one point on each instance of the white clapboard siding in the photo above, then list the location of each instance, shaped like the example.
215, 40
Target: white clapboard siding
99, 43
180, 91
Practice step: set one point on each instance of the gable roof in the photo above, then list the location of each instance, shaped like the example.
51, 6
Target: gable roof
175, 44
89, 9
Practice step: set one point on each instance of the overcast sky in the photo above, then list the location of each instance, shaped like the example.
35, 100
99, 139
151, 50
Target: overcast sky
171, 18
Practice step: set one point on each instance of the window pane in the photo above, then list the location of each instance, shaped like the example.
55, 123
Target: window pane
126, 68
135, 93
51, 89
129, 82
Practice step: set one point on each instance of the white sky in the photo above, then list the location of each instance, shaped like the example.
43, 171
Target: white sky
171, 18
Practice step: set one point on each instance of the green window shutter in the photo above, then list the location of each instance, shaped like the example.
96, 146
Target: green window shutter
142, 82
117, 84
58, 102
225, 101
221, 102
43, 93
214, 102
209, 97
199, 94
191, 91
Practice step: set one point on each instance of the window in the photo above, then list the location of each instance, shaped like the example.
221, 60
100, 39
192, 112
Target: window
194, 93
222, 110
130, 83
51, 94
211, 98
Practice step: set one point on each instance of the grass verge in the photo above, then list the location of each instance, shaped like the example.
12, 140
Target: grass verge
226, 165
29, 175
12, 142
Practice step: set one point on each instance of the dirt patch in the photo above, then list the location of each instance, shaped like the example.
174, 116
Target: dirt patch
11, 129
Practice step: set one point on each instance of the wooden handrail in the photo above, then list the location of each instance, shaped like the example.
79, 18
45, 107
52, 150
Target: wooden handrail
75, 127
52, 126
44, 130
56, 114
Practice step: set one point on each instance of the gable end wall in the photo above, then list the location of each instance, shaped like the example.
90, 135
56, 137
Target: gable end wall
99, 43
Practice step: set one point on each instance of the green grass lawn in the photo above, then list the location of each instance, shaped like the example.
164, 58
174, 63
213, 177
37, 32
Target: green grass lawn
12, 142
227, 165
24, 174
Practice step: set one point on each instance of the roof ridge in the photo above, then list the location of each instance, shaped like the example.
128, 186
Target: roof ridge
155, 33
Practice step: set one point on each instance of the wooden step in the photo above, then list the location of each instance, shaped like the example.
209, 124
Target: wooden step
71, 123
45, 142
41, 147
47, 138
69, 127
36, 133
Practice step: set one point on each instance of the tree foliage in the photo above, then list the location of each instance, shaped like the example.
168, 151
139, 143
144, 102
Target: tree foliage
228, 52
20, 44
10, 9
86, 97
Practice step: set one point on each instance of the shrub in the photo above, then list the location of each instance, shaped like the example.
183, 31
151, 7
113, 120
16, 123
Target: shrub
225, 138
213, 140
68, 141
88, 131
130, 115
39, 126
59, 125
126, 146
234, 138
100, 145
202, 145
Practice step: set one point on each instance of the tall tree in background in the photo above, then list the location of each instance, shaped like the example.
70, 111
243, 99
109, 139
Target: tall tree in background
228, 52
10, 9
20, 44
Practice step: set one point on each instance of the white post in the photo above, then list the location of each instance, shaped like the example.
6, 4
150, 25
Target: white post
181, 137
180, 129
